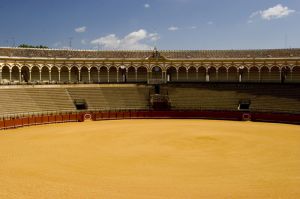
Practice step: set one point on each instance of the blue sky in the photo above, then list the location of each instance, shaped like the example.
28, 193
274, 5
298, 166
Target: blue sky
142, 24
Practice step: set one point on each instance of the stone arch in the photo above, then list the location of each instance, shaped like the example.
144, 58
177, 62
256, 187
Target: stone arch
94, 74
233, 75
84, 74
192, 74
35, 74
122, 74
182, 74
54, 74
130, 74
75, 74
64, 74
15, 77
25, 75
5, 73
212, 72
156, 73
275, 74
171, 74
296, 74
222, 74
142, 74
253, 74
103, 74
113, 74
202, 74
264, 74
45, 74
243, 74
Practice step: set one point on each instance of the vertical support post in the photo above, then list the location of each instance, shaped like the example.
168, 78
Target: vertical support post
177, 74
69, 75
50, 79
40, 70
207, 78
58, 75
107, 75
30, 75
135, 74
79, 75
187, 74
197, 75
227, 75
117, 75
10, 74
20, 76
89, 72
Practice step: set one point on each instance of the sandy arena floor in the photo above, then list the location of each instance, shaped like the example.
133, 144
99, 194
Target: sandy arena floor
136, 159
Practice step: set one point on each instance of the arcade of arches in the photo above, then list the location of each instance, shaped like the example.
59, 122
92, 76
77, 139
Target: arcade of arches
25, 73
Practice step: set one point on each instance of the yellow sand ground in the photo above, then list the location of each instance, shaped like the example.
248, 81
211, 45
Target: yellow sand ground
153, 159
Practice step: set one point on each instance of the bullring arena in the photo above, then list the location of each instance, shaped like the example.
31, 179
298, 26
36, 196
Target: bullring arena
149, 124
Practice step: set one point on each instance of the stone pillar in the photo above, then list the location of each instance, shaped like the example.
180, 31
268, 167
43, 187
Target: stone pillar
187, 74
207, 75
30, 75
79, 75
50, 76
10, 74
197, 74
135, 74
58, 75
20, 76
69, 75
248, 70
98, 70
259, 75
176, 74
40, 70
89, 72
217, 74
227, 74
117, 75
1, 76
107, 75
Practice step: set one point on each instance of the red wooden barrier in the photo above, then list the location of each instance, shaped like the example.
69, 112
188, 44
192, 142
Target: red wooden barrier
38, 120
25, 121
105, 115
126, 115
66, 118
31, 121
58, 118
10, 123
51, 119
73, 117
18, 122
2, 124
120, 115
45, 119
112, 115
133, 115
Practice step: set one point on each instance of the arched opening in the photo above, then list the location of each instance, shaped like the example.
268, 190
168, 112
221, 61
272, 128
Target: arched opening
296, 74
142, 74
103, 74
264, 74
253, 74
212, 72
5, 74
286, 75
54, 74
75, 74
122, 74
45, 74
35, 74
222, 74
25, 74
182, 74
275, 74
131, 74
233, 75
171, 74
243, 74
84, 74
156, 73
192, 74
15, 77
94, 75
113, 74
64, 74
202, 74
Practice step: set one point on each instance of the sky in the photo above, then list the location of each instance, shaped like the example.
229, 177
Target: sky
143, 24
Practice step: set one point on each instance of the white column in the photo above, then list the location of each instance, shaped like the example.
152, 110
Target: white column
108, 76
217, 74
98, 70
58, 75
136, 75
40, 74
10, 75
197, 74
117, 75
177, 74
30, 75
69, 75
20, 76
89, 71
187, 74
49, 75
207, 75
79, 75
226, 74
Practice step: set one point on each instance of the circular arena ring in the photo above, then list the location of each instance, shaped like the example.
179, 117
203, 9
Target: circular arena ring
151, 159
